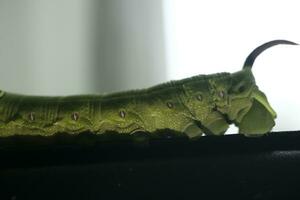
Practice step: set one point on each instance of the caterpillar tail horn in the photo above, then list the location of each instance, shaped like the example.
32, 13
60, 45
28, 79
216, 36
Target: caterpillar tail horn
256, 52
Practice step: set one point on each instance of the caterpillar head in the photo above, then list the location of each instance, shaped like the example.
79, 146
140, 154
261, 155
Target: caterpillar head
248, 107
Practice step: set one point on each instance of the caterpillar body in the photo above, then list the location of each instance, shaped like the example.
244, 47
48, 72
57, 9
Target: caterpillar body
203, 104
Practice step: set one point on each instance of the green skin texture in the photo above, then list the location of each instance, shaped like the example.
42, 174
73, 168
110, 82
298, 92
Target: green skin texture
204, 104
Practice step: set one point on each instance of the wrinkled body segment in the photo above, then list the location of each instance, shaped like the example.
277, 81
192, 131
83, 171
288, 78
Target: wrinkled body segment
203, 104
174, 105
193, 106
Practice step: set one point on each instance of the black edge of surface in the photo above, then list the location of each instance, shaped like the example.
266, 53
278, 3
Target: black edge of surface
27, 151
229, 167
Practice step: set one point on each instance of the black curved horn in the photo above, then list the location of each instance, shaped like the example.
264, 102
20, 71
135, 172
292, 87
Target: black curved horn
252, 56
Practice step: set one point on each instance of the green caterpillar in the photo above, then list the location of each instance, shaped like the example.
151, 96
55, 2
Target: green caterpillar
203, 104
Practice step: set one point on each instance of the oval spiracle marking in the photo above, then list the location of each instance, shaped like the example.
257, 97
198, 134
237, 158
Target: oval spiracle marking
31, 116
221, 94
75, 116
122, 113
199, 97
170, 105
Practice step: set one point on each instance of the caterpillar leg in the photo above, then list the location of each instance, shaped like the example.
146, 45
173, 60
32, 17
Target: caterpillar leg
215, 124
193, 131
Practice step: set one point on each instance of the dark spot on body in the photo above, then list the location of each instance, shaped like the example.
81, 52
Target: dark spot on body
199, 97
221, 94
170, 105
241, 89
75, 116
122, 113
31, 116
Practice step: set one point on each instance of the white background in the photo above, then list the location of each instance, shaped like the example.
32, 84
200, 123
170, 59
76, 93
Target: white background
216, 36
62, 47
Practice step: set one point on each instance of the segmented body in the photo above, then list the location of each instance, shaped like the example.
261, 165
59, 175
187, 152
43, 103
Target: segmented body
173, 105
203, 104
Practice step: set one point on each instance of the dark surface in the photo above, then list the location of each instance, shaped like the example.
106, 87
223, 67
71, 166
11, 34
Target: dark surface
226, 167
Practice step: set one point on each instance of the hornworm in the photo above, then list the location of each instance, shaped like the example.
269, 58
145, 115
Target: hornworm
203, 104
